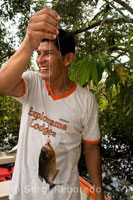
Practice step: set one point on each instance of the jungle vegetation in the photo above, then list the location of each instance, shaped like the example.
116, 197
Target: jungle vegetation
103, 63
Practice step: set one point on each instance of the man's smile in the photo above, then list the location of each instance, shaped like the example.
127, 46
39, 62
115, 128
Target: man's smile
44, 69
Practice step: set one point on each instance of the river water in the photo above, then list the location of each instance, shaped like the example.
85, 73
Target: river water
117, 167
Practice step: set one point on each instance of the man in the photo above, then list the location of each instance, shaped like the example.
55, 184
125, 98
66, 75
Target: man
55, 110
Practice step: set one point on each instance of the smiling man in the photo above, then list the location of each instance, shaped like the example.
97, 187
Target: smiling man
53, 64
56, 111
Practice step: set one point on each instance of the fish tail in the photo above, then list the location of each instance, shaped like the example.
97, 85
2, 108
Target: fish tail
52, 186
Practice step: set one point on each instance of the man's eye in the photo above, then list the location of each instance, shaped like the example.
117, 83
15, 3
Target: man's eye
49, 53
38, 53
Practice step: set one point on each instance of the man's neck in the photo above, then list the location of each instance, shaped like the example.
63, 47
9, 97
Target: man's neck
60, 87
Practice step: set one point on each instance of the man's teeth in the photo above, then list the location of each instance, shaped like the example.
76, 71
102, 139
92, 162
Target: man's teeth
44, 68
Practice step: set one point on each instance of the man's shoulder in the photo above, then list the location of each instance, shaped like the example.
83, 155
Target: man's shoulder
84, 91
31, 76
31, 73
84, 98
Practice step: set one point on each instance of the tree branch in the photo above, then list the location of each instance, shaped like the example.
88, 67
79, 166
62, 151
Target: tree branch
107, 21
117, 9
126, 6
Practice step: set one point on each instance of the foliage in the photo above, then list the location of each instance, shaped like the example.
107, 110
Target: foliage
116, 139
89, 68
104, 44
96, 30
10, 112
116, 111
104, 49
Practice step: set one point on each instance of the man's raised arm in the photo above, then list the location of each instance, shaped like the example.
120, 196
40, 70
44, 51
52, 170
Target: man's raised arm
41, 25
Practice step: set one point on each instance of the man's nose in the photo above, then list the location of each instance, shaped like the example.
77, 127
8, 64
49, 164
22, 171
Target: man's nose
41, 58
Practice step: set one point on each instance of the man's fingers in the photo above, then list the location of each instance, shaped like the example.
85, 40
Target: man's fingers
49, 11
44, 20
43, 34
43, 17
43, 26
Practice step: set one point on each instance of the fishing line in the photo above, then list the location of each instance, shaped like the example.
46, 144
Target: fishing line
59, 46
49, 65
61, 63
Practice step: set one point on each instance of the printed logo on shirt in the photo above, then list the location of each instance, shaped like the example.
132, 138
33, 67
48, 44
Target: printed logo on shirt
63, 120
45, 130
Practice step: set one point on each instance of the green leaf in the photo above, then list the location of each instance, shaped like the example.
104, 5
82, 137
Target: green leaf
88, 77
131, 49
82, 78
123, 182
102, 60
131, 59
130, 193
76, 69
88, 73
129, 39
109, 68
79, 71
83, 75
114, 46
100, 71
94, 71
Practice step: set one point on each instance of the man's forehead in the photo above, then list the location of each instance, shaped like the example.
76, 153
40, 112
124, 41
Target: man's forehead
48, 45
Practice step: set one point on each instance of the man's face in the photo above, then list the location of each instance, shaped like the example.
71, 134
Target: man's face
49, 61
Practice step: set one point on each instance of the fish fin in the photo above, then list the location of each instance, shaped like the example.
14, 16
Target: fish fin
52, 186
57, 171
40, 177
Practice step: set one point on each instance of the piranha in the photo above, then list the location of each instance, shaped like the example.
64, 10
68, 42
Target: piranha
47, 165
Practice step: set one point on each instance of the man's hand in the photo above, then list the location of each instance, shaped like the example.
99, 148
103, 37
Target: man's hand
44, 24
41, 25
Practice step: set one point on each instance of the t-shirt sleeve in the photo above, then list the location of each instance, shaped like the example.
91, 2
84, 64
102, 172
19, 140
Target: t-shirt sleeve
26, 79
91, 132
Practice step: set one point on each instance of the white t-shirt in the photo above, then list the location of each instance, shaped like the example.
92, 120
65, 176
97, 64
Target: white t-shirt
68, 120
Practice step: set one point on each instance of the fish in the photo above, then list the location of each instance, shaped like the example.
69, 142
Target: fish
47, 165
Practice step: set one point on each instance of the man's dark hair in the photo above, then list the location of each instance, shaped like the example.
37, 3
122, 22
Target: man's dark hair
64, 42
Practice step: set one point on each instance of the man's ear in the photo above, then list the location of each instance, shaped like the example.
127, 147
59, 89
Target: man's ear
68, 58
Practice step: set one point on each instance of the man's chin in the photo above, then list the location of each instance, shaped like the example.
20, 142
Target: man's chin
44, 77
